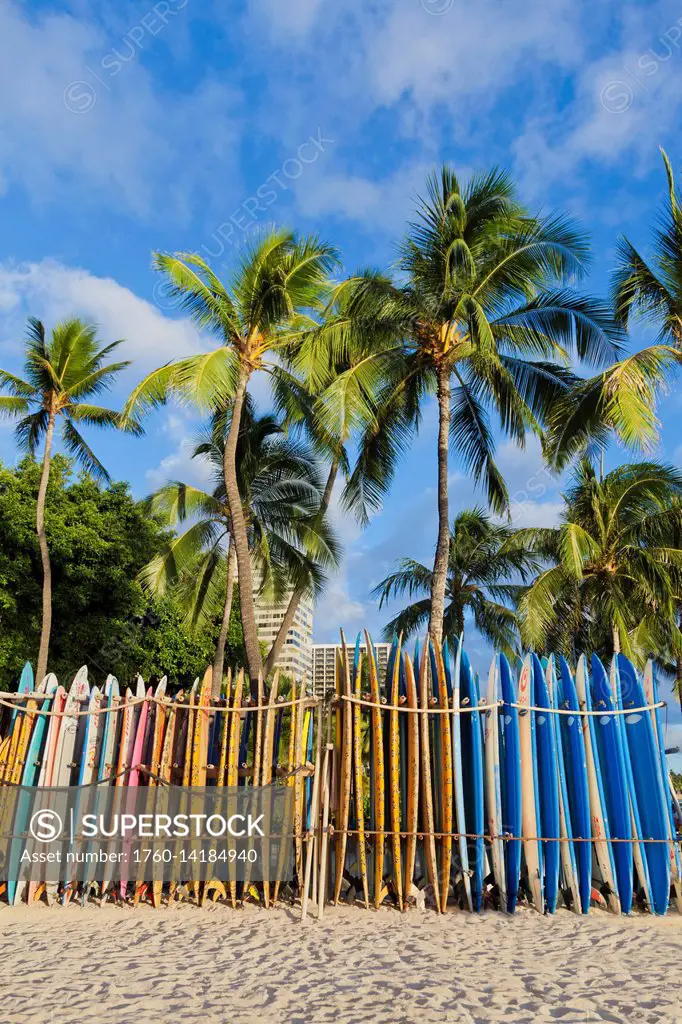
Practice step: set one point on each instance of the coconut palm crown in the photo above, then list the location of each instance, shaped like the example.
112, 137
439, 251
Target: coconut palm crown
614, 577
480, 315
279, 276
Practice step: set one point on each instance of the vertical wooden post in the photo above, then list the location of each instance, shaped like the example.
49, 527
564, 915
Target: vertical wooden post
318, 774
314, 810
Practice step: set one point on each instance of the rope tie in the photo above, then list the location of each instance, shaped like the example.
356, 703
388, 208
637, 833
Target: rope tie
8, 701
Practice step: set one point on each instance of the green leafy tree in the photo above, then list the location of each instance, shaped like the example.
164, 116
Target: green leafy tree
290, 543
485, 579
100, 538
481, 316
615, 572
61, 376
278, 276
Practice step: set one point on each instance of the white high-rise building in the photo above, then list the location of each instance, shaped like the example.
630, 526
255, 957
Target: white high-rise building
296, 656
324, 661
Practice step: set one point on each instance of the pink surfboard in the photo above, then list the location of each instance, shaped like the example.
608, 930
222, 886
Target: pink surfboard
134, 774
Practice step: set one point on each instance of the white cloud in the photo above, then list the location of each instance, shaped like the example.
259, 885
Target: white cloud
537, 513
337, 609
627, 101
180, 428
475, 50
78, 105
384, 203
52, 292
291, 20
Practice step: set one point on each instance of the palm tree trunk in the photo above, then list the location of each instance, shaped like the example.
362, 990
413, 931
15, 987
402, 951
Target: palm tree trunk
616, 639
440, 565
295, 599
240, 538
219, 659
46, 626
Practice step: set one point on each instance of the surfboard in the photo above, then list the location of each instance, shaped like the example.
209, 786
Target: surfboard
610, 746
358, 770
134, 778
426, 779
575, 760
649, 783
530, 803
412, 809
31, 771
569, 865
510, 785
199, 748
47, 766
393, 692
473, 776
17, 725
443, 727
378, 803
86, 771
598, 812
493, 784
65, 768
268, 752
620, 675
159, 713
458, 775
547, 787
344, 743
165, 771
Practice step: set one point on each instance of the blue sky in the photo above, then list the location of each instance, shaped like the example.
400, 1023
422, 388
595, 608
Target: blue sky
182, 124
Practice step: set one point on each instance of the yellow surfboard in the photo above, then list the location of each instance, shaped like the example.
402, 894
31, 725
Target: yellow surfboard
378, 775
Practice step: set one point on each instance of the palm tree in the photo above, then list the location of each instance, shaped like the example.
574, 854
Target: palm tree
60, 376
481, 318
290, 544
279, 275
486, 573
622, 399
654, 291
615, 578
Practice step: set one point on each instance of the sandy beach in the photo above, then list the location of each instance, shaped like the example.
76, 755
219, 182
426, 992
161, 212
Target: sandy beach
138, 966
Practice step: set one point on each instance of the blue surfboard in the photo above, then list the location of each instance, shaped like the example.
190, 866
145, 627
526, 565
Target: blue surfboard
458, 774
510, 758
569, 864
614, 781
472, 777
573, 746
547, 786
649, 789
622, 677
29, 777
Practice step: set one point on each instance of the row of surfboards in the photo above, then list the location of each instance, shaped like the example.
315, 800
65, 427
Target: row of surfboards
130, 739
550, 786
